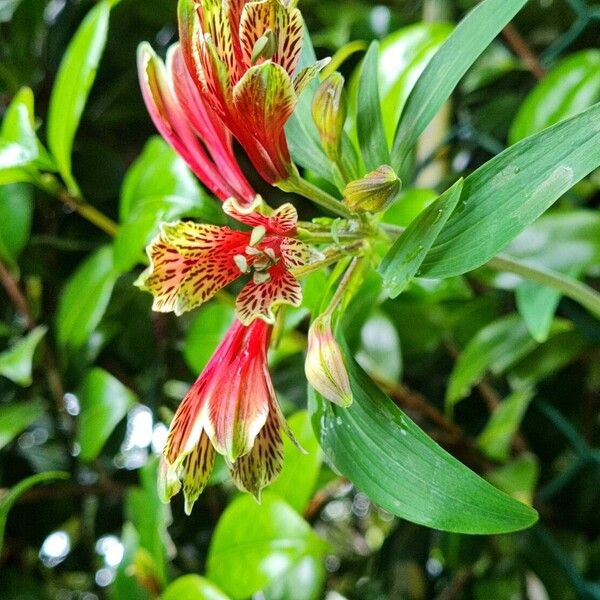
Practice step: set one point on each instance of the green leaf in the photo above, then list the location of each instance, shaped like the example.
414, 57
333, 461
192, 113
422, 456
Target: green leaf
257, 544
537, 305
404, 471
16, 213
570, 87
9, 498
72, 86
512, 190
16, 362
517, 478
369, 123
404, 258
16, 417
193, 587
410, 203
297, 479
379, 352
494, 348
443, 72
503, 423
18, 142
84, 298
205, 332
304, 582
104, 401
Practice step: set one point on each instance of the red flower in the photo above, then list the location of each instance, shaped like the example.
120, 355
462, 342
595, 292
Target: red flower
231, 409
242, 57
191, 262
189, 125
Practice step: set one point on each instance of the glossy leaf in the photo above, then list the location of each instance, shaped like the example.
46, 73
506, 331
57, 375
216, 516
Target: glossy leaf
18, 142
537, 305
72, 86
205, 332
104, 401
16, 363
297, 479
503, 423
408, 206
85, 298
11, 496
193, 587
443, 72
304, 582
404, 258
369, 122
404, 471
16, 417
570, 87
512, 190
379, 352
257, 544
16, 213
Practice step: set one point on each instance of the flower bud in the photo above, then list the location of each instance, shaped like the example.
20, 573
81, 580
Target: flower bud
329, 113
374, 192
324, 366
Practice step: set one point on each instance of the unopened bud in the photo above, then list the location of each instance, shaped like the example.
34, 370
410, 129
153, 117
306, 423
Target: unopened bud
329, 113
374, 192
324, 366
264, 47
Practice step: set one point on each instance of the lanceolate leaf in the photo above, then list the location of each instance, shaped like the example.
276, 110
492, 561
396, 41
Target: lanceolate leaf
16, 362
72, 86
512, 190
371, 134
16, 417
402, 470
404, 258
470, 38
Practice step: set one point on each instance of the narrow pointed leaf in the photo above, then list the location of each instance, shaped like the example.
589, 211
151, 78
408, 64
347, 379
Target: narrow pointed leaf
16, 362
466, 43
404, 258
404, 471
369, 122
75, 77
512, 190
16, 417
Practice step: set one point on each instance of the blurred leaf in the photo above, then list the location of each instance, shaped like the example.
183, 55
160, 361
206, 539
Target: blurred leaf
537, 305
402, 57
72, 86
84, 298
379, 351
205, 332
410, 203
369, 123
255, 545
569, 88
304, 582
403, 470
16, 417
13, 494
150, 518
443, 72
16, 213
517, 478
104, 401
126, 584
297, 479
511, 190
7, 9
192, 587
404, 258
16, 362
505, 420
18, 142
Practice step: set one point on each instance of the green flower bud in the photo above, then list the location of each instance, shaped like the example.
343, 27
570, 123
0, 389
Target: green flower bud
374, 192
324, 366
329, 113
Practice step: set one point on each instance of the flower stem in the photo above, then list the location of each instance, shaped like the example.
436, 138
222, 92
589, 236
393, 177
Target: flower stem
298, 185
576, 290
344, 284
49, 184
333, 256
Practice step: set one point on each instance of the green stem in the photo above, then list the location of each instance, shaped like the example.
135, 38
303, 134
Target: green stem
297, 185
332, 257
49, 184
576, 290
342, 287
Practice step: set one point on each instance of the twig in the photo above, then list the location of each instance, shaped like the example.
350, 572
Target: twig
518, 43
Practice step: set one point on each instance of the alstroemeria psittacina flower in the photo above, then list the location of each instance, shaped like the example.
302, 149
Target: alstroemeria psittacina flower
191, 262
243, 56
191, 127
231, 409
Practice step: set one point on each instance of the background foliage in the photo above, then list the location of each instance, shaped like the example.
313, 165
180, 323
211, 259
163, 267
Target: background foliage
503, 373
